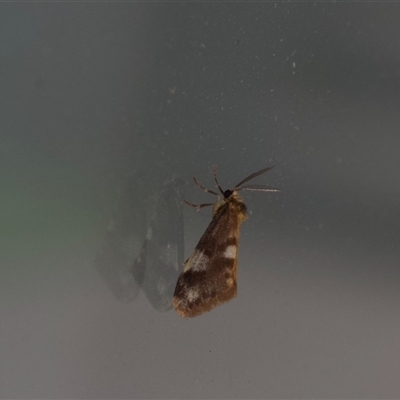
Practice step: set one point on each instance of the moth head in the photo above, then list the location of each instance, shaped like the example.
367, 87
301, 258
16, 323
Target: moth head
228, 193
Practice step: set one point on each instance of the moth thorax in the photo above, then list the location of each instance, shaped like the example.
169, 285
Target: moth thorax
217, 205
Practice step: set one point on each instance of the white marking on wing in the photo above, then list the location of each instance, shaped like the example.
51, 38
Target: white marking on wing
192, 295
230, 282
197, 262
230, 252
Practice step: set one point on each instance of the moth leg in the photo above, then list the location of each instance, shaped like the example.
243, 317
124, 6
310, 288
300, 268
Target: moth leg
216, 180
203, 188
198, 206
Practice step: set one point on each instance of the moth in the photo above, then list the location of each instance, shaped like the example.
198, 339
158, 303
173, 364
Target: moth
209, 274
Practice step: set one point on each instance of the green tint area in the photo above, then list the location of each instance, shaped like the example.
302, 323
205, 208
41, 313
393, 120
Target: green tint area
45, 203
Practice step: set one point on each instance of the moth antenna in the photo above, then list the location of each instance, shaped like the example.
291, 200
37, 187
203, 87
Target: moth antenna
259, 188
203, 188
216, 180
198, 206
252, 176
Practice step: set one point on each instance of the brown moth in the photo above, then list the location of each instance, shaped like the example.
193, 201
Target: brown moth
209, 274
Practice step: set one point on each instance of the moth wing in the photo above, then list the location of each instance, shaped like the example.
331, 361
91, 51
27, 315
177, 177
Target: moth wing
209, 275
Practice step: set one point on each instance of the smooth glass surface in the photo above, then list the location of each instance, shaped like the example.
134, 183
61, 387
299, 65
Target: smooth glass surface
107, 112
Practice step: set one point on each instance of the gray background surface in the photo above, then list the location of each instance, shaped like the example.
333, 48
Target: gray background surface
93, 92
